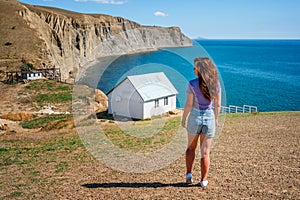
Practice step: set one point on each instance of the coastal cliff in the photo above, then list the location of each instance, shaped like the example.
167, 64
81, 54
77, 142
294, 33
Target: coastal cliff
70, 39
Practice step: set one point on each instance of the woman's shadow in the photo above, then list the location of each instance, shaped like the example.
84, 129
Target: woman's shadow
135, 185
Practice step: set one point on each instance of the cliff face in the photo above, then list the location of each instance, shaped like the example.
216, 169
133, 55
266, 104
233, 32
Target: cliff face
73, 38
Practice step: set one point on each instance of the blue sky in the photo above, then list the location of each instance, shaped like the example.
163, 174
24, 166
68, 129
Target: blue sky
212, 19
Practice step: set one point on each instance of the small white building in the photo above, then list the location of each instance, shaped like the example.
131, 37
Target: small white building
29, 75
142, 96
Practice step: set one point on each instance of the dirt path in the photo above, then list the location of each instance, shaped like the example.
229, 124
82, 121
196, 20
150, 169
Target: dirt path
256, 157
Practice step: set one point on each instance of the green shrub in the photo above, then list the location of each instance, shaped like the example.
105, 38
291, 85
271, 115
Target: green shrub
40, 122
27, 67
54, 98
64, 88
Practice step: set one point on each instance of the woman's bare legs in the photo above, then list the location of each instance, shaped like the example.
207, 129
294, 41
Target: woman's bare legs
205, 144
190, 151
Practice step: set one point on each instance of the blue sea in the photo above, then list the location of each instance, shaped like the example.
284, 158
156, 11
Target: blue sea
262, 73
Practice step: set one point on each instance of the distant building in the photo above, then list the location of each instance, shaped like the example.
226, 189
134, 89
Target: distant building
31, 75
142, 96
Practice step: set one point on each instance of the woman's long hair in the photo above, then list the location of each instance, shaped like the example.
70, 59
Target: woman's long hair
208, 77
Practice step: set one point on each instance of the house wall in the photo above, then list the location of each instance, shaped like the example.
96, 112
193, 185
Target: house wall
150, 109
172, 102
125, 101
136, 106
32, 75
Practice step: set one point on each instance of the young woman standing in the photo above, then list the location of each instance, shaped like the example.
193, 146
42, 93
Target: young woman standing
202, 93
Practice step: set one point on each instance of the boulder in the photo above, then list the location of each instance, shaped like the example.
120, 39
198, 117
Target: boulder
101, 101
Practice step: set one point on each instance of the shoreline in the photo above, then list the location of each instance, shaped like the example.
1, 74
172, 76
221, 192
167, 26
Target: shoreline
87, 64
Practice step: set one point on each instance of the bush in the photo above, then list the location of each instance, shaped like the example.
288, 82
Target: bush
27, 67
40, 122
54, 98
64, 88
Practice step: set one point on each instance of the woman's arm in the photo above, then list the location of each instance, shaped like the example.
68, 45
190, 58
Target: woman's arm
187, 108
217, 106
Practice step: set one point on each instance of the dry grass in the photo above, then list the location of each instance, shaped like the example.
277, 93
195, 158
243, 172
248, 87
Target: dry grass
30, 97
138, 136
21, 116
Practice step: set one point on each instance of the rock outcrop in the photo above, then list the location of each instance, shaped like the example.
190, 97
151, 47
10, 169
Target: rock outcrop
17, 116
100, 102
72, 39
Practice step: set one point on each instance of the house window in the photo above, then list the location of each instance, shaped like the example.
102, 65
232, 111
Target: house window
166, 102
156, 103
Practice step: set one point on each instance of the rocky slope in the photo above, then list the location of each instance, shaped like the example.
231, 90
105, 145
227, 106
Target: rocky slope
71, 39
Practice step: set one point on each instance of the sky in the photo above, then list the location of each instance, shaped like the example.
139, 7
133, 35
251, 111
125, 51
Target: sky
210, 19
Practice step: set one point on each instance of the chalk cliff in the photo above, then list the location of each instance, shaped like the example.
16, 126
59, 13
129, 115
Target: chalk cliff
71, 39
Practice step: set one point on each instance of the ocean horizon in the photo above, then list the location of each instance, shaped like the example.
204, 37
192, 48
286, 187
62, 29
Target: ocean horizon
257, 72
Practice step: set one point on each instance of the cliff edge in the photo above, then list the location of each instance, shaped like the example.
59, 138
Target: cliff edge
67, 40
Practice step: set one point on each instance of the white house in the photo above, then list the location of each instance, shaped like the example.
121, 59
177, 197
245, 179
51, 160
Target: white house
29, 75
142, 96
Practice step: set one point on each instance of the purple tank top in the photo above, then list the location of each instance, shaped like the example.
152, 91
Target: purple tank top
200, 102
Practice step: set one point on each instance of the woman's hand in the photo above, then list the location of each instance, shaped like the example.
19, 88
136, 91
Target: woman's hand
187, 108
183, 123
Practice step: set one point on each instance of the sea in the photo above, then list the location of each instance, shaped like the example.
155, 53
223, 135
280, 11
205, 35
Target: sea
261, 73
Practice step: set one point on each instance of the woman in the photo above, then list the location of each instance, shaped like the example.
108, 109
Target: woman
202, 92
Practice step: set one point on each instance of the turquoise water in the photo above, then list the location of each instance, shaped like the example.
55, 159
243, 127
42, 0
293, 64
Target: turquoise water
265, 73
262, 73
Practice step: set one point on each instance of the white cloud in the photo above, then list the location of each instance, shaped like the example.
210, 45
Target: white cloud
160, 14
105, 1
110, 2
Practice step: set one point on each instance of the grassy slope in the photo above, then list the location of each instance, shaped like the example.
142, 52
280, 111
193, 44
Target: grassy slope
24, 40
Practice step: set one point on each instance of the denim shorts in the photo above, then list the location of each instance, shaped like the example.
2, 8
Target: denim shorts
201, 122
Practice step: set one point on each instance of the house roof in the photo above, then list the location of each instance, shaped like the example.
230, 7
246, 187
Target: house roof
29, 72
152, 86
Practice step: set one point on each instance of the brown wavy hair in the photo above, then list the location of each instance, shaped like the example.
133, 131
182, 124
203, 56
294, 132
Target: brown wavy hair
208, 77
